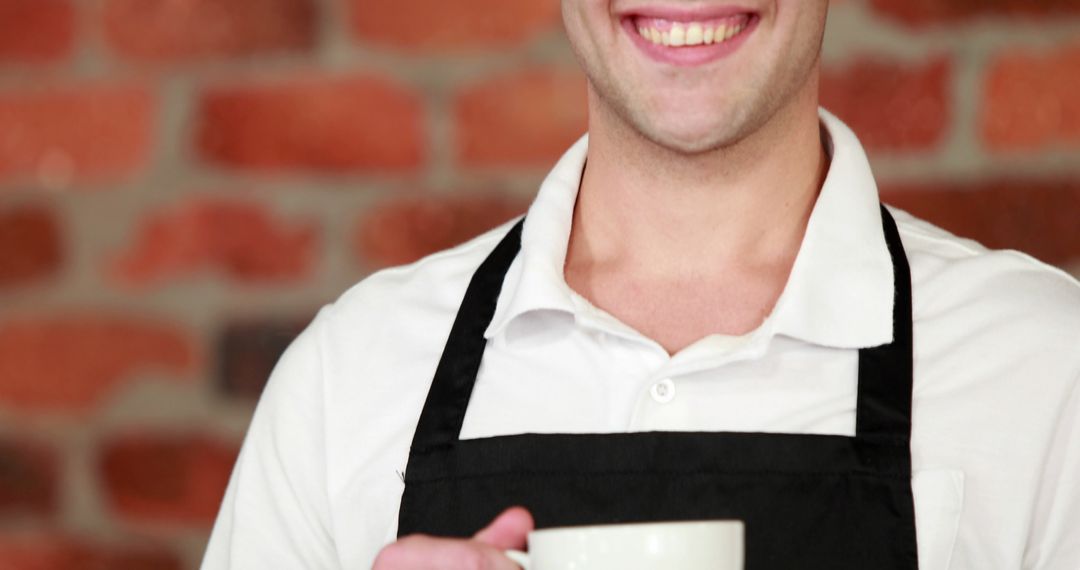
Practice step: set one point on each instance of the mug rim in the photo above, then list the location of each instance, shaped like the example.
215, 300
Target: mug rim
622, 525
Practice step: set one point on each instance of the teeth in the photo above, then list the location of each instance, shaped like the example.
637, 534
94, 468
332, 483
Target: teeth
691, 34
678, 35
694, 34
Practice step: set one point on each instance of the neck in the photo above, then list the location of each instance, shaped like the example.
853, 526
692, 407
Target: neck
647, 210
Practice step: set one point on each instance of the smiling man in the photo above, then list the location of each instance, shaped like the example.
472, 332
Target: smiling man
705, 314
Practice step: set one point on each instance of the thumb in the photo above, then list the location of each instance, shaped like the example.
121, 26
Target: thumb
508, 530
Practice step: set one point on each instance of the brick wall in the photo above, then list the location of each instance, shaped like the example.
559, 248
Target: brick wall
183, 182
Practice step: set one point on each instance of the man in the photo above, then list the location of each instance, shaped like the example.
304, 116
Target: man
706, 314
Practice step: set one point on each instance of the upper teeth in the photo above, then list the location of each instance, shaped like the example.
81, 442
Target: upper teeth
691, 33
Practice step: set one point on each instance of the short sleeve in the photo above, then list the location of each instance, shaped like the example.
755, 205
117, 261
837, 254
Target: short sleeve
276, 513
1054, 543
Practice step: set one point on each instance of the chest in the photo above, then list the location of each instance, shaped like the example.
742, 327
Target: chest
609, 387
602, 383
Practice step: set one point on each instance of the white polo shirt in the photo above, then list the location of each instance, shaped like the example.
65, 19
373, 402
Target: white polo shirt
996, 417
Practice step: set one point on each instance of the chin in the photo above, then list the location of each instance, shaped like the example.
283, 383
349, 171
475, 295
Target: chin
692, 140
691, 132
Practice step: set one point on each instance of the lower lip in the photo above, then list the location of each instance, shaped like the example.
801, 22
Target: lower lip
692, 55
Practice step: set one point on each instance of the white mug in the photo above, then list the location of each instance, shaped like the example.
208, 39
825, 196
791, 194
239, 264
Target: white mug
691, 545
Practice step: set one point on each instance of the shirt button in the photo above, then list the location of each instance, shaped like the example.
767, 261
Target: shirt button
663, 391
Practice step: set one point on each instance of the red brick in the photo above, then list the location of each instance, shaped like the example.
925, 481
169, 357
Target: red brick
1031, 100
47, 552
434, 26
241, 240
166, 478
247, 351
87, 132
36, 31
185, 30
404, 230
892, 106
1037, 217
30, 247
526, 118
322, 124
69, 363
28, 479
931, 12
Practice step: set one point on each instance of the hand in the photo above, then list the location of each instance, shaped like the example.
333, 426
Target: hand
483, 551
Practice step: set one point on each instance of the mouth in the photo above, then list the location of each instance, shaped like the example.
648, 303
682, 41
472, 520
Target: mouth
689, 38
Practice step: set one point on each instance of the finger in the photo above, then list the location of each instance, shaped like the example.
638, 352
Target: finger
419, 552
508, 530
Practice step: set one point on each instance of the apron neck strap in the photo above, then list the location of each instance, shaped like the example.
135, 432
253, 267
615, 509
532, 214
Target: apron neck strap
885, 372
448, 398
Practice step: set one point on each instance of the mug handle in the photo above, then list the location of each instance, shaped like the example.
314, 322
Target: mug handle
519, 557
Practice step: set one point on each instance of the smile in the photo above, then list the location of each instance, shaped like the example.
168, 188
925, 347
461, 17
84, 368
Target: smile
687, 39
680, 34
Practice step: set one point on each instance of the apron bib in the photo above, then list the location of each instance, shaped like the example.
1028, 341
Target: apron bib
808, 501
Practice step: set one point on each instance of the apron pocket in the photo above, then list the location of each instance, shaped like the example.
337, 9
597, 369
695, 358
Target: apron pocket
939, 496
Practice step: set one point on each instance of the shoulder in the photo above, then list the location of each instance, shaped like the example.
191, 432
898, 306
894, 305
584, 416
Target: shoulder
391, 315
429, 288
963, 271
1003, 297
384, 335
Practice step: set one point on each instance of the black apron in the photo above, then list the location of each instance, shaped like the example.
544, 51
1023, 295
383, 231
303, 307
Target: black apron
808, 501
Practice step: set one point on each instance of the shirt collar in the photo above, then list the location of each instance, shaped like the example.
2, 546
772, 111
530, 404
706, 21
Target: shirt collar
839, 292
535, 284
